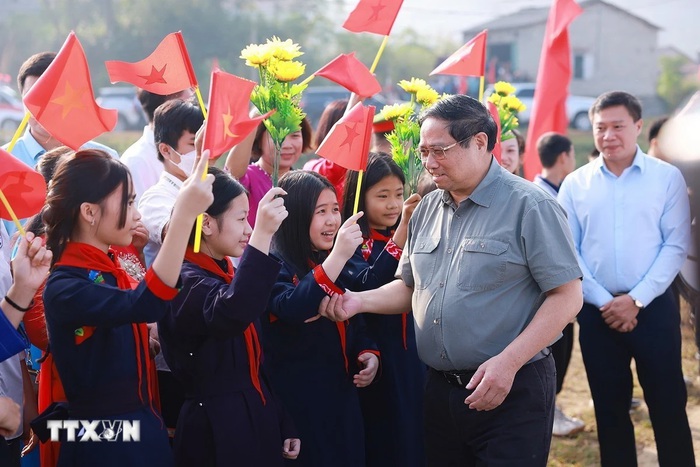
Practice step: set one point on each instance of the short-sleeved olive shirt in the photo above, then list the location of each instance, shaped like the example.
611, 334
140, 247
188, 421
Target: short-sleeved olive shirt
480, 270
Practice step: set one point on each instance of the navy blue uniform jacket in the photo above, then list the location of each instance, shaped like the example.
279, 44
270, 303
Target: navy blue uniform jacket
223, 421
308, 369
100, 375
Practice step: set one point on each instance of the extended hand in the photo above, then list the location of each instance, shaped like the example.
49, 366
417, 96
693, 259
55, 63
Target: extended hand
620, 313
409, 206
271, 211
30, 266
291, 448
349, 237
195, 195
140, 238
340, 307
370, 362
491, 383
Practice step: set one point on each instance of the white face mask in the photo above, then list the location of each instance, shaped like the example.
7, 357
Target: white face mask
186, 163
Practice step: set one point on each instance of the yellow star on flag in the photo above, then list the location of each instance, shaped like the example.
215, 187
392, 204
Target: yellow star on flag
228, 118
72, 98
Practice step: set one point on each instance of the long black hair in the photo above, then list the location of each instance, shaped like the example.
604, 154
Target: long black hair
88, 176
225, 189
379, 166
292, 241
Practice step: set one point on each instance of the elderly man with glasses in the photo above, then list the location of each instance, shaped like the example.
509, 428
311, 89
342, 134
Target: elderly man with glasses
491, 273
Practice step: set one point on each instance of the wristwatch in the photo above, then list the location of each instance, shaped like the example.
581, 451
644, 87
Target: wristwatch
637, 303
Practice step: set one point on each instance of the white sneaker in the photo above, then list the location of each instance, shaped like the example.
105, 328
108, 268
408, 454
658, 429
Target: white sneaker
565, 426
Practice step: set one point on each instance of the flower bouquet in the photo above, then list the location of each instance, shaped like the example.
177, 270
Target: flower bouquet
277, 69
405, 137
508, 107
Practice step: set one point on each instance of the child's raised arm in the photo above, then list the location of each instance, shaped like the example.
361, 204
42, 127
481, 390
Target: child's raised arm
271, 213
348, 239
194, 198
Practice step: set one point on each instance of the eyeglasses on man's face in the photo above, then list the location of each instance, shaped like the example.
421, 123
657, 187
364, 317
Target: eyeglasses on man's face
437, 151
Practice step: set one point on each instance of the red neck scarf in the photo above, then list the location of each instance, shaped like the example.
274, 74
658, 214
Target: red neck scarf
252, 343
341, 326
82, 255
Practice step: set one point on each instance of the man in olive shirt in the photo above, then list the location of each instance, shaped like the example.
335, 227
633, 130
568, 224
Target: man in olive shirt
490, 271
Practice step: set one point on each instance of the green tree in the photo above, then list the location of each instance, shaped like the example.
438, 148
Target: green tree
673, 86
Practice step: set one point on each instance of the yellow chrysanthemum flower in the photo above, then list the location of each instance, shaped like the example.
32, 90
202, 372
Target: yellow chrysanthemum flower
285, 71
396, 111
283, 50
427, 96
513, 104
495, 98
503, 88
256, 55
413, 86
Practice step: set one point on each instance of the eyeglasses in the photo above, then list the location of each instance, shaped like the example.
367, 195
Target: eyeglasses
437, 151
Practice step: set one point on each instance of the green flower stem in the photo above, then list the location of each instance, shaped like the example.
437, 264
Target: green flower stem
276, 163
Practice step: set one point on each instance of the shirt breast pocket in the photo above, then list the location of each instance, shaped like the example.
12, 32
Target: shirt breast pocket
424, 260
482, 264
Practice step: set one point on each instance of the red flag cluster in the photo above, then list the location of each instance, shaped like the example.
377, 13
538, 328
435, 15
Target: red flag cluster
24, 188
348, 142
552, 86
167, 70
375, 16
228, 122
62, 100
352, 74
469, 60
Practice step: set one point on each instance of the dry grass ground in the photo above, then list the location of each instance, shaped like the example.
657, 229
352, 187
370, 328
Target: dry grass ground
575, 399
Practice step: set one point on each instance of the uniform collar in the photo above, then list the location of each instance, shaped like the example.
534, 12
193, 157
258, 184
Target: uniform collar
485, 191
639, 161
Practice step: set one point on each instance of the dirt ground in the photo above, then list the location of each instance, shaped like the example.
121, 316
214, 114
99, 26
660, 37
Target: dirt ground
575, 400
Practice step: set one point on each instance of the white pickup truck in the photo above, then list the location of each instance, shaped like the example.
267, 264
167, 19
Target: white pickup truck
576, 106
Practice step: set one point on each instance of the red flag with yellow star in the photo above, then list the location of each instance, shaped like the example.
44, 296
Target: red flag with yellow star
352, 74
469, 60
62, 100
347, 144
167, 70
375, 16
24, 188
228, 122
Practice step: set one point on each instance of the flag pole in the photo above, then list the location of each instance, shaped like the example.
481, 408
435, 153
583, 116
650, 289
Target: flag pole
200, 218
379, 54
481, 89
357, 193
18, 133
371, 70
201, 103
6, 203
307, 80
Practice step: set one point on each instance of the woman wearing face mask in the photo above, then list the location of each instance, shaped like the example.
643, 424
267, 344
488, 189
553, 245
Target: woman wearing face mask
251, 161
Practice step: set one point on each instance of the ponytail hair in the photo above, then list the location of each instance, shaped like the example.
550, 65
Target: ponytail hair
88, 176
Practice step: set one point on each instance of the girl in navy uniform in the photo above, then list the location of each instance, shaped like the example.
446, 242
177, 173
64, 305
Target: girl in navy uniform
210, 337
316, 365
96, 314
393, 406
